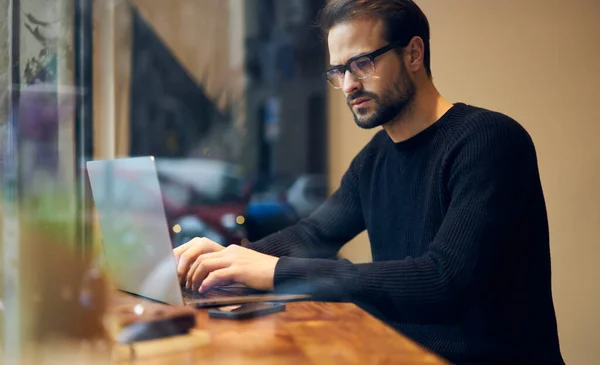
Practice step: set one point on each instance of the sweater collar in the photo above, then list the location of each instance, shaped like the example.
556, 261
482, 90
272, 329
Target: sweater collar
426, 134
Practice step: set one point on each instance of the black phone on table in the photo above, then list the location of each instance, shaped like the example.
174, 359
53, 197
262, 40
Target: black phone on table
248, 310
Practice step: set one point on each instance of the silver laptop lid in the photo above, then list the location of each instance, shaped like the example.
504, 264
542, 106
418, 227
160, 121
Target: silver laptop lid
135, 235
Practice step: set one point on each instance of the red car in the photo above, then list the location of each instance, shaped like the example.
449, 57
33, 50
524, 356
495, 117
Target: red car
203, 198
197, 202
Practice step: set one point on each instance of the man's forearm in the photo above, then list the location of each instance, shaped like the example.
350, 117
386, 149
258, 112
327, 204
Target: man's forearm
299, 240
418, 286
322, 234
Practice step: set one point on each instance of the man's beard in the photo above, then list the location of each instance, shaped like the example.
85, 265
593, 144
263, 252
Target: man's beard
389, 106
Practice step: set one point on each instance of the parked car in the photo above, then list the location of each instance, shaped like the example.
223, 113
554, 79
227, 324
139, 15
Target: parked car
307, 193
268, 210
206, 199
213, 199
284, 203
218, 202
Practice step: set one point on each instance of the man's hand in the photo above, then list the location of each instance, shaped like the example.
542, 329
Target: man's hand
186, 254
212, 265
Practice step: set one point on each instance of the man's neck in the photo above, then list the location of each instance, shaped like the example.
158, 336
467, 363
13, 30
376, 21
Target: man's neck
427, 107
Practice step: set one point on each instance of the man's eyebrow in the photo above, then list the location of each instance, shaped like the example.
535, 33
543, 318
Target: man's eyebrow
350, 59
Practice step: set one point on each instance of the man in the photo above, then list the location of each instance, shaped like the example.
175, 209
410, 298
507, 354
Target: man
450, 195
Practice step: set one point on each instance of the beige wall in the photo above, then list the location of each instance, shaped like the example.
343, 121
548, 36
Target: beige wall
536, 61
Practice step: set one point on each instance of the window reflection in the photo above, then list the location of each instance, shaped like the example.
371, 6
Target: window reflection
233, 110
227, 95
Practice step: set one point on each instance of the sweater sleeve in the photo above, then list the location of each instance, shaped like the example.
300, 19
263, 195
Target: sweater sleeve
489, 173
324, 232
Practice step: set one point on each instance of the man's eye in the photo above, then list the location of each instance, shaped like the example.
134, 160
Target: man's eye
362, 63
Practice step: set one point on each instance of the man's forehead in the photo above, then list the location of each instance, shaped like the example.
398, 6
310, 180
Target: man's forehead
349, 39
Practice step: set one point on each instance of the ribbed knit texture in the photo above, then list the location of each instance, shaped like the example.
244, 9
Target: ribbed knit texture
459, 237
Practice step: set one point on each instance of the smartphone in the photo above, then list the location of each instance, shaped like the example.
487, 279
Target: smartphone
248, 310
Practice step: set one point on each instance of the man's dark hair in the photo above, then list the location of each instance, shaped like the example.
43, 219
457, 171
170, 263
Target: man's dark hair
403, 20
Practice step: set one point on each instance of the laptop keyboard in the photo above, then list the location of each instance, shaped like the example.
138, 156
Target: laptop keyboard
221, 291
192, 294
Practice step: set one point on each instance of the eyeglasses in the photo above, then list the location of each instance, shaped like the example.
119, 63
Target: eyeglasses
361, 67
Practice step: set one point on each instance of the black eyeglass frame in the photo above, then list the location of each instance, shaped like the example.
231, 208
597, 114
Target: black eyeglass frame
371, 56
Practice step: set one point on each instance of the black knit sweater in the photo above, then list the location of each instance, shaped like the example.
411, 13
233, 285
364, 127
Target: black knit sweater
459, 238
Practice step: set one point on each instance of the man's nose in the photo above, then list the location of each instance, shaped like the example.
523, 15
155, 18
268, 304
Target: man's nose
350, 83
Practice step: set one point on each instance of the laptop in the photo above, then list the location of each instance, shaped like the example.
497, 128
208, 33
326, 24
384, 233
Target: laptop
137, 246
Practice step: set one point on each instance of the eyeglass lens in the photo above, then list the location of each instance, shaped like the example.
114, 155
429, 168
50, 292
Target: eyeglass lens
361, 68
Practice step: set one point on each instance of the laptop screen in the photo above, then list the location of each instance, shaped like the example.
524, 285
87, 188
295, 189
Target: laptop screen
136, 241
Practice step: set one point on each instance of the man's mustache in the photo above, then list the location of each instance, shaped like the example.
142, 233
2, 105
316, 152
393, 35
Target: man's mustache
360, 94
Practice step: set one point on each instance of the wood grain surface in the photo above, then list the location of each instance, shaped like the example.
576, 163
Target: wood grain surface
306, 333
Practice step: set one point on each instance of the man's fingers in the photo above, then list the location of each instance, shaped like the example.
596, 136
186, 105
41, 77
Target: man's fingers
188, 252
181, 249
211, 255
194, 266
188, 278
196, 241
218, 277
187, 259
184, 263
177, 251
205, 268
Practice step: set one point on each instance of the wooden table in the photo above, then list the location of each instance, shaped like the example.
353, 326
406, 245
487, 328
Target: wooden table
306, 333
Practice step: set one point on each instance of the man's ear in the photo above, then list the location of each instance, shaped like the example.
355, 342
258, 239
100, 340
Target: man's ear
416, 53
